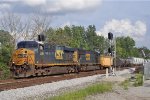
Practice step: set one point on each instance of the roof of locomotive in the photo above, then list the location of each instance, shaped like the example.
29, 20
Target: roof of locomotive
27, 44
48, 45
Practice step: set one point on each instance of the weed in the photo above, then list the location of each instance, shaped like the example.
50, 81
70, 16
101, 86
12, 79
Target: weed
82, 93
125, 84
138, 80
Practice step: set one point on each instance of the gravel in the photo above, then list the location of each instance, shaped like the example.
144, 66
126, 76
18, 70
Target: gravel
118, 93
51, 89
20, 93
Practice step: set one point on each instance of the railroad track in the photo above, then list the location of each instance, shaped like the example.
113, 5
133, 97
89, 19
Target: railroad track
20, 83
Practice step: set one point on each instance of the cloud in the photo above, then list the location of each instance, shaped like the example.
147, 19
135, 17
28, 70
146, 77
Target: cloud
69, 23
124, 27
49, 6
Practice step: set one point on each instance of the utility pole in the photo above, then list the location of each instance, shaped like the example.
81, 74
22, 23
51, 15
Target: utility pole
115, 54
0, 45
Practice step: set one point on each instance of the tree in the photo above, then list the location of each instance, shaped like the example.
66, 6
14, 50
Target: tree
100, 43
91, 36
5, 53
125, 47
38, 24
146, 51
21, 29
6, 48
58, 36
13, 24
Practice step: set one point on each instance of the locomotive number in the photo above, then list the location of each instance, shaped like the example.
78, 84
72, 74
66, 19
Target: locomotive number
59, 54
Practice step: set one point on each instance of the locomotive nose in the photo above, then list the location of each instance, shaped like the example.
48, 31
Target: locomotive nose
21, 57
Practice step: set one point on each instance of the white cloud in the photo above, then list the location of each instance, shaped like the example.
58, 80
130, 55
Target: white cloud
50, 6
69, 23
4, 6
34, 2
124, 27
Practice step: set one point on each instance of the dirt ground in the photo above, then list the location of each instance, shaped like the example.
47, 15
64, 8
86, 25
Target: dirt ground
118, 93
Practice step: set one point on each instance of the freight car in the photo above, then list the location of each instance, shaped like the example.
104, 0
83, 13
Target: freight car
134, 61
130, 62
34, 58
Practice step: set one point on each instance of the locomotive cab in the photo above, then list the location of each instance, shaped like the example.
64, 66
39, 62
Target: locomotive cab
23, 58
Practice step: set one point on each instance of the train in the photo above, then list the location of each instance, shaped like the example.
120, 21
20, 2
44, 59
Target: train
131, 61
36, 58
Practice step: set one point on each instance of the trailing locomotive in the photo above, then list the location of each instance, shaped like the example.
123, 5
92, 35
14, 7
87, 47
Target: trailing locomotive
33, 58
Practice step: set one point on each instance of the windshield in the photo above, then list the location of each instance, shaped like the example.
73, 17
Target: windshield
27, 44
22, 55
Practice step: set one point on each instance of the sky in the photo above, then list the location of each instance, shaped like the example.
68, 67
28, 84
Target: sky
121, 17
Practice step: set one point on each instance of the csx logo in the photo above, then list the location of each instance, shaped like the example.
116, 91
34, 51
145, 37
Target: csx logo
87, 56
59, 54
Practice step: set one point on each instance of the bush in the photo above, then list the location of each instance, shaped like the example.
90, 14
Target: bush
139, 80
5, 72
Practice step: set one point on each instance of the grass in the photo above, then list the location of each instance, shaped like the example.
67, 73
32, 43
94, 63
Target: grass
83, 93
139, 80
125, 84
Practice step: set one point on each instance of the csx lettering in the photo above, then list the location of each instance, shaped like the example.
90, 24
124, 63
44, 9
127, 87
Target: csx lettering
59, 54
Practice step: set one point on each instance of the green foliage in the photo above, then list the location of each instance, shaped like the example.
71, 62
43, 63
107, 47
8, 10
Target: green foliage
5, 37
86, 38
4, 71
139, 80
76, 37
125, 84
5, 53
125, 47
83, 93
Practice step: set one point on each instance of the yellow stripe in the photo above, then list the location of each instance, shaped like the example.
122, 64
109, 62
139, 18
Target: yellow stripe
63, 64
56, 64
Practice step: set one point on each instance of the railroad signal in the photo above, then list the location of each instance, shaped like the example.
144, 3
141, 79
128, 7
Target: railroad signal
109, 50
110, 36
41, 37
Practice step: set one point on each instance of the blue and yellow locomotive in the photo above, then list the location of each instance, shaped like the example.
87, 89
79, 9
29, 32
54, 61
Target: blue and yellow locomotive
34, 58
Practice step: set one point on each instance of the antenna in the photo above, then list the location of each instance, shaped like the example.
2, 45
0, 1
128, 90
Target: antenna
143, 53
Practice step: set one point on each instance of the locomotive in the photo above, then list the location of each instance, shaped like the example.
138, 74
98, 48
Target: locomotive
34, 58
